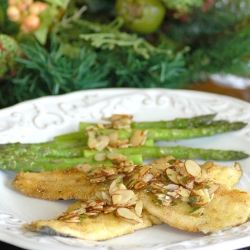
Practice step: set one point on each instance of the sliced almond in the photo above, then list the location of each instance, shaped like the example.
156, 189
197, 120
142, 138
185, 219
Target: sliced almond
138, 175
138, 208
204, 199
113, 136
127, 198
85, 167
109, 171
115, 186
137, 138
171, 187
213, 188
116, 199
92, 143
103, 141
116, 156
207, 164
183, 191
202, 177
125, 213
109, 209
98, 179
192, 168
100, 157
198, 192
172, 175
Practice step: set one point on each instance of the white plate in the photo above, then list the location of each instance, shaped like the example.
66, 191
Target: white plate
41, 119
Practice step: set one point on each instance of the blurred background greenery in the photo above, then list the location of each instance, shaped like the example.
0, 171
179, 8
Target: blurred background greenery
54, 47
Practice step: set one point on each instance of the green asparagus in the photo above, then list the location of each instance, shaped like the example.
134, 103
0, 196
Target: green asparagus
70, 149
177, 152
195, 121
177, 134
218, 127
40, 164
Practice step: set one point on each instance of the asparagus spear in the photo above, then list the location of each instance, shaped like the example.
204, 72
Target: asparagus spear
74, 148
218, 127
195, 121
40, 164
177, 134
177, 152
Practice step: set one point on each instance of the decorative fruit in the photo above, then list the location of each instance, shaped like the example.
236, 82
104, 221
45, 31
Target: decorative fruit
9, 50
140, 16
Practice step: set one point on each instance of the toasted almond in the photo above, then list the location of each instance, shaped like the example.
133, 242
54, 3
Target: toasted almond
92, 143
204, 199
171, 187
85, 167
100, 157
207, 164
128, 215
113, 136
98, 179
103, 141
198, 192
116, 176
138, 175
192, 168
202, 177
109, 209
116, 199
127, 198
213, 188
183, 191
116, 156
137, 138
138, 208
115, 186
172, 175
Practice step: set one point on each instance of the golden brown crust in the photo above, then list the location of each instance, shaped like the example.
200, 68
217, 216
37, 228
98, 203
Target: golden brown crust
55, 185
102, 227
229, 207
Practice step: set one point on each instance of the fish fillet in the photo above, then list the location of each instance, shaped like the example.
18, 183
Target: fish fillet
56, 185
73, 184
103, 227
229, 207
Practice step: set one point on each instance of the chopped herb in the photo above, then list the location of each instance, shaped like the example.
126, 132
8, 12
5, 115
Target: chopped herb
118, 180
192, 198
173, 203
83, 216
195, 209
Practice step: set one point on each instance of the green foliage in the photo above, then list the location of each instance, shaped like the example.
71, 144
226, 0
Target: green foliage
89, 49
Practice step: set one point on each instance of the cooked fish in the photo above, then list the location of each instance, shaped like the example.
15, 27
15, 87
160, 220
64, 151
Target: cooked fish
102, 227
56, 185
229, 207
182, 194
73, 183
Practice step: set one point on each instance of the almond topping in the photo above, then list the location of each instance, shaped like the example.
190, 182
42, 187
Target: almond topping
138, 208
172, 175
138, 138
85, 167
128, 215
207, 164
213, 188
100, 157
103, 141
192, 168
116, 156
